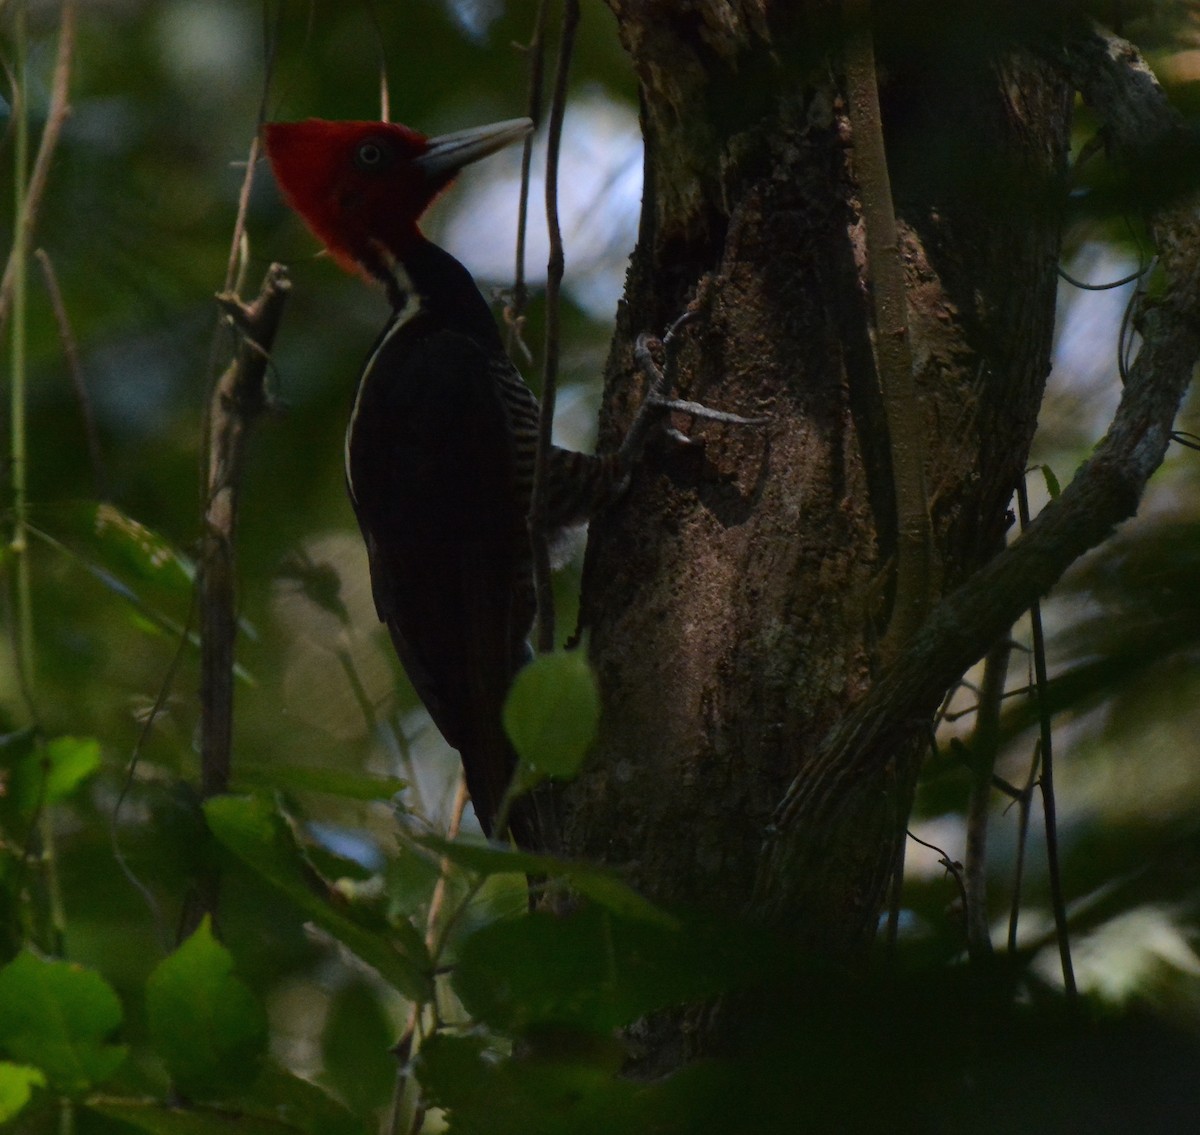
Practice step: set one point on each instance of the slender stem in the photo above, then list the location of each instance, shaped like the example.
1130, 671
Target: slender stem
554, 275
984, 746
238, 397
114, 827
1049, 807
914, 544
27, 197
237, 245
18, 266
32, 191
28, 188
1024, 801
537, 67
408, 1045
57, 911
238, 400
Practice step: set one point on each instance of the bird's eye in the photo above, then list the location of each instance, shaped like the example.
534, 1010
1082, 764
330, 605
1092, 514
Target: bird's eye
372, 154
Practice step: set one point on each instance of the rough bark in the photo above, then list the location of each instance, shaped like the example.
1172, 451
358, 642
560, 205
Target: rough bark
734, 598
833, 798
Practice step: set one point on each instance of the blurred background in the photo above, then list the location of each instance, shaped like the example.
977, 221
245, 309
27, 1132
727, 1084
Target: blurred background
137, 223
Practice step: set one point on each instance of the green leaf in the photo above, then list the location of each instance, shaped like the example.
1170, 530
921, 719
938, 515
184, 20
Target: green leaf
46, 774
132, 562
1052, 485
257, 834
606, 890
595, 971
17, 1082
588, 879
160, 1119
57, 1016
562, 1084
71, 760
52, 772
127, 543
207, 1026
453, 1068
306, 1105
355, 1048
123, 556
346, 783
552, 713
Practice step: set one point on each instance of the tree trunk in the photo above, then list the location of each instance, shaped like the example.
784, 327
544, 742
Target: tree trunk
735, 598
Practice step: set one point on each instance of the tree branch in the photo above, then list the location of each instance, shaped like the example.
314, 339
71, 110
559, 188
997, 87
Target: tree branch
893, 350
238, 400
842, 782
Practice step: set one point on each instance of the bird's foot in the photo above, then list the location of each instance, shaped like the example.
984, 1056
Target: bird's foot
659, 382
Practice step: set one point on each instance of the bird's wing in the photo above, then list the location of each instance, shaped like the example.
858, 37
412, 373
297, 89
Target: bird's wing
433, 475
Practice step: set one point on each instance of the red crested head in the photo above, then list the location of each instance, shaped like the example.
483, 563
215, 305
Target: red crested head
361, 186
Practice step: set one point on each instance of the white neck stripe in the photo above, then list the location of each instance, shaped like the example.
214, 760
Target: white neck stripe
412, 307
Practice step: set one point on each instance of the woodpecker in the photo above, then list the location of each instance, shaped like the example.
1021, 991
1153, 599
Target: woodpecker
441, 443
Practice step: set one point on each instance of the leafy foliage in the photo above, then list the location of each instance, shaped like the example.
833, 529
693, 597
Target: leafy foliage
58, 1018
594, 971
342, 918
17, 1082
255, 832
551, 714
204, 1023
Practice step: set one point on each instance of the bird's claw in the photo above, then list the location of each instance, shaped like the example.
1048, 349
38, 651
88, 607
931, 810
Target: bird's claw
699, 410
658, 386
679, 438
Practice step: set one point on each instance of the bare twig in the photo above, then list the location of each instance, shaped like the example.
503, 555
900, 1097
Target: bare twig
515, 315
554, 274
385, 97
984, 746
1024, 802
893, 351
56, 115
29, 188
1064, 275
238, 400
953, 869
238, 244
114, 830
1046, 749
405, 1046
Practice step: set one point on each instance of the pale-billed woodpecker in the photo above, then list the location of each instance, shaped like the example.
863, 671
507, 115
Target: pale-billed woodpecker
441, 445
